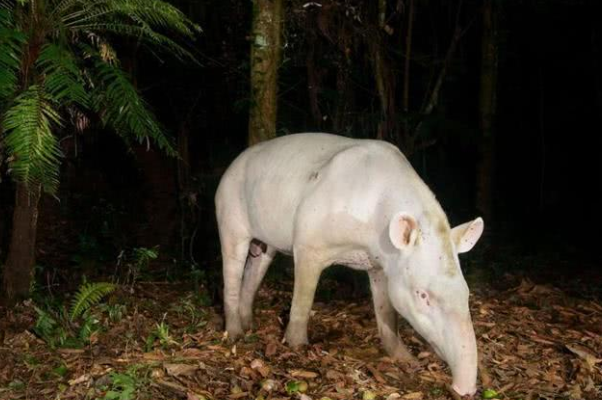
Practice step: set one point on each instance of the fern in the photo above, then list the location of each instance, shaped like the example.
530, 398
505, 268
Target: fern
62, 76
120, 106
144, 20
11, 47
45, 324
76, 72
88, 295
33, 149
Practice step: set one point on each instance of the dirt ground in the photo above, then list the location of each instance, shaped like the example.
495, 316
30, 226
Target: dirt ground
535, 342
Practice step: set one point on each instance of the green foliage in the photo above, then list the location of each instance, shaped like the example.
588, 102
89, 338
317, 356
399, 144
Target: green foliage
137, 261
57, 71
191, 308
88, 295
60, 327
11, 49
63, 81
115, 312
123, 387
32, 147
161, 335
121, 108
49, 329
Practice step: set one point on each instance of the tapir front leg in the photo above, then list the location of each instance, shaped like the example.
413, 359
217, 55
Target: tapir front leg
386, 318
307, 275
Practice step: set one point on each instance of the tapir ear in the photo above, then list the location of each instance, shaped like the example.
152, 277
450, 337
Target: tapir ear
465, 236
403, 230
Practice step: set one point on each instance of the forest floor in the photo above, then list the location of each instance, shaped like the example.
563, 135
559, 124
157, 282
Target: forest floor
158, 341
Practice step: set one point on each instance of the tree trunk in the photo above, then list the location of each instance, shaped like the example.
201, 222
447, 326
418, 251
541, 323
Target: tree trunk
383, 76
487, 108
19, 266
266, 50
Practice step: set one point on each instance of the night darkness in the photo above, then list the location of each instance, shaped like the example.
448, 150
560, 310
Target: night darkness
126, 214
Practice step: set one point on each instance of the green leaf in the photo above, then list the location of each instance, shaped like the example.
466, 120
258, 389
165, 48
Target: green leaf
88, 295
32, 148
62, 76
11, 48
490, 394
120, 106
151, 22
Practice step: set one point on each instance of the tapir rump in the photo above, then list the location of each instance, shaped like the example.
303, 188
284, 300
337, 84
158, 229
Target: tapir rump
326, 199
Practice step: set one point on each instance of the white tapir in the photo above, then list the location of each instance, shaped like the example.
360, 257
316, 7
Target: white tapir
328, 199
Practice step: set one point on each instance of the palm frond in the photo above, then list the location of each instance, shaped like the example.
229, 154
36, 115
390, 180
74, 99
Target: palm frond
62, 76
120, 106
88, 295
32, 149
11, 47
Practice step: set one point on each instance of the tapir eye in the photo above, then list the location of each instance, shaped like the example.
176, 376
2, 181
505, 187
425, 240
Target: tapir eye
423, 297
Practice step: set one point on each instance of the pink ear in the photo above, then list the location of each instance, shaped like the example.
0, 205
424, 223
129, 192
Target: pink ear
403, 230
465, 236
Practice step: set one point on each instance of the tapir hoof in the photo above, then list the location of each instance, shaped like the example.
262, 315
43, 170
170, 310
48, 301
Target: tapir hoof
295, 339
401, 354
246, 322
234, 332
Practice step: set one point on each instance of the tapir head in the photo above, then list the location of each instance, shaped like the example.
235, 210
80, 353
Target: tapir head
427, 288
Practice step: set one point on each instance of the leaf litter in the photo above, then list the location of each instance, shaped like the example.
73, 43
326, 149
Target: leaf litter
535, 342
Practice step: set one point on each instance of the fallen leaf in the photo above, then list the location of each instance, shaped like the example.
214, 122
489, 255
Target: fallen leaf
590, 359
271, 349
79, 379
304, 374
194, 396
180, 369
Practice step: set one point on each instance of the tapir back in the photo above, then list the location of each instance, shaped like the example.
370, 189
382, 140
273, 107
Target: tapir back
268, 182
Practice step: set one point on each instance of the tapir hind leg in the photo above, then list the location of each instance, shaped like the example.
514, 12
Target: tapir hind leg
386, 318
258, 262
234, 256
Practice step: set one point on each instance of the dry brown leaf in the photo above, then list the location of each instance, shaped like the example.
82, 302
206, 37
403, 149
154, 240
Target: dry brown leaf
271, 349
194, 396
413, 396
304, 374
80, 379
180, 369
585, 354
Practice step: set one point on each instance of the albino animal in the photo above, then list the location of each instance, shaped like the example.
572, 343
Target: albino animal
326, 200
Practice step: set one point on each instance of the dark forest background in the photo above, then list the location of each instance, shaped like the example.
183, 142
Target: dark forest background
546, 202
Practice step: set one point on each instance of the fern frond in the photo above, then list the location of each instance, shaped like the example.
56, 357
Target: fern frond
30, 144
157, 14
62, 76
152, 22
143, 33
45, 324
11, 47
120, 106
88, 295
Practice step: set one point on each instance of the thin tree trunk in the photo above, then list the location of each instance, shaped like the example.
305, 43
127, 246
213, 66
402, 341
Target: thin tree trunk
408, 56
384, 77
487, 109
19, 265
431, 99
406, 134
314, 80
266, 50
